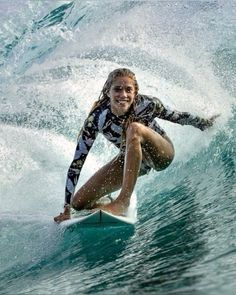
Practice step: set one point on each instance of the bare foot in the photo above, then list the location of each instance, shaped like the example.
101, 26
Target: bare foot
61, 217
116, 208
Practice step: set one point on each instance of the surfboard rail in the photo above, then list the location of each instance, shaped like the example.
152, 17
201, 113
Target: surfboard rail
98, 218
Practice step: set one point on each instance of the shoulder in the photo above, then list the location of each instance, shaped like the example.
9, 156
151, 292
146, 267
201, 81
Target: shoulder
143, 98
148, 100
98, 116
99, 110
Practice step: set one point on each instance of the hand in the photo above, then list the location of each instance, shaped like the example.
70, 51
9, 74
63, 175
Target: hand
209, 122
63, 216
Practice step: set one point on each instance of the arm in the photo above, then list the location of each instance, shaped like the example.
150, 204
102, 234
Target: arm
85, 141
183, 118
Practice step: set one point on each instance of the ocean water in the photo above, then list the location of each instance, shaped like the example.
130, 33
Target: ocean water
54, 59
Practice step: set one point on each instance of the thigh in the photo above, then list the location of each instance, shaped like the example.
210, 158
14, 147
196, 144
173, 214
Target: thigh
158, 150
105, 181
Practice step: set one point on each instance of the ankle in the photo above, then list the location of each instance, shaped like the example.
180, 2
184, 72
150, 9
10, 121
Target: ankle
123, 200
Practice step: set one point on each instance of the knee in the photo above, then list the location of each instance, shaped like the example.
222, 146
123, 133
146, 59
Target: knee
134, 131
75, 204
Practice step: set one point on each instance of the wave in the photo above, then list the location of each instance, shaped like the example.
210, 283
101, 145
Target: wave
54, 59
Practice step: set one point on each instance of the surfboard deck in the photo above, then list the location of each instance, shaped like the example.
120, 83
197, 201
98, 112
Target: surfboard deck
98, 218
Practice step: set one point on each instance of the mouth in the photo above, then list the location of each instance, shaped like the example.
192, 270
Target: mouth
120, 106
122, 101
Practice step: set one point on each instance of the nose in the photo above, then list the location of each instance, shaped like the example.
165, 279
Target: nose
123, 93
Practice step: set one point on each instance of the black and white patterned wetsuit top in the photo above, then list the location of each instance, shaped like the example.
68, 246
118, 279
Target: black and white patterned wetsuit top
102, 120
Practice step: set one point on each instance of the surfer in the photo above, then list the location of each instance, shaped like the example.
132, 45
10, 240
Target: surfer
127, 119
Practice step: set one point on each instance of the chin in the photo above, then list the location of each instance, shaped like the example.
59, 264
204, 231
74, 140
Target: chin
122, 112
119, 111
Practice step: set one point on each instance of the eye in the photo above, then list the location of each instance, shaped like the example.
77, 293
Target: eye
117, 88
129, 90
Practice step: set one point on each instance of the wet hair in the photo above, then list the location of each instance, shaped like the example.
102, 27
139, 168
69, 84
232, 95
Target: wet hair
104, 98
121, 72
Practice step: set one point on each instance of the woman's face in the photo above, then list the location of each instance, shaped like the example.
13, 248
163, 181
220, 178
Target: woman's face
122, 94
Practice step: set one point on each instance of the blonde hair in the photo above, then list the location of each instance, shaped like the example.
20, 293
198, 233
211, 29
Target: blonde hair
121, 72
104, 98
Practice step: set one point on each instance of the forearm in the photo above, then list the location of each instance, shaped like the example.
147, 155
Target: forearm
182, 118
71, 182
185, 118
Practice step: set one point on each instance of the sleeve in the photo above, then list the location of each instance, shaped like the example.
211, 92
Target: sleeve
85, 141
183, 118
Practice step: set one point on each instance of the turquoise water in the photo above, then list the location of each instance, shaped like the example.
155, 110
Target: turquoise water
54, 59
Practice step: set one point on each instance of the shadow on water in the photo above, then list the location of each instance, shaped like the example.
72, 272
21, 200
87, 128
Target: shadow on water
223, 147
176, 225
173, 243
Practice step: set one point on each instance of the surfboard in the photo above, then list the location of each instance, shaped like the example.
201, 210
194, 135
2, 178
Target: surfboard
98, 218
101, 218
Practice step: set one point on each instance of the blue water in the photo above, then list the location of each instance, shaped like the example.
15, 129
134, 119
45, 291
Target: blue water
54, 59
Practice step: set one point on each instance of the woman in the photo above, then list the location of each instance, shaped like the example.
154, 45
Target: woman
125, 118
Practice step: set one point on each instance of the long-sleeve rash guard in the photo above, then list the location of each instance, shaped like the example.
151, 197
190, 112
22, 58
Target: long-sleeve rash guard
102, 120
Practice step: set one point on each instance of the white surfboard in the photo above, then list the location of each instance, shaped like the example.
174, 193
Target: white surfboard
98, 218
101, 218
